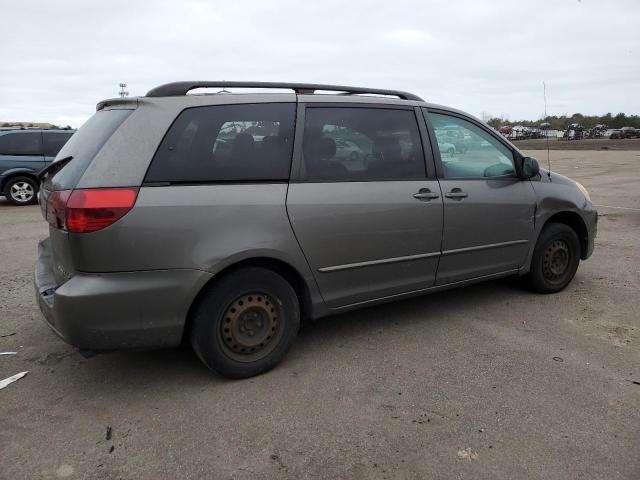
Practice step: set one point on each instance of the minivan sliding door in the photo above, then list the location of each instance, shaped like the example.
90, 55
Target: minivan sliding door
368, 219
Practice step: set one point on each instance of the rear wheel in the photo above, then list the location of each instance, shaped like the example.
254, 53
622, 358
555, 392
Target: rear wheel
555, 258
246, 322
21, 191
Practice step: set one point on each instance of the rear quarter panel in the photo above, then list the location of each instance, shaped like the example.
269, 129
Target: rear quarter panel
204, 227
15, 165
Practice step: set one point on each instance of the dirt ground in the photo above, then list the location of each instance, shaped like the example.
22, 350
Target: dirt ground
485, 382
586, 144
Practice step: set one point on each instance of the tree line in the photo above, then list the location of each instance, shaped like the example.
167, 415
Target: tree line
562, 122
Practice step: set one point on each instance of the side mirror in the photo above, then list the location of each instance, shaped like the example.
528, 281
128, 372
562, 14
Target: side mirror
530, 167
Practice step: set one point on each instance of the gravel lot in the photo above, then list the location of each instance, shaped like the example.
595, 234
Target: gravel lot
488, 381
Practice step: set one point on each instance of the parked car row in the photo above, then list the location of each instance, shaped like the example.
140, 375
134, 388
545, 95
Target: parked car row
624, 132
24, 153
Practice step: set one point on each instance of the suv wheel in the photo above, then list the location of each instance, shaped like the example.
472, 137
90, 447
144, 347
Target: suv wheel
245, 323
21, 191
555, 258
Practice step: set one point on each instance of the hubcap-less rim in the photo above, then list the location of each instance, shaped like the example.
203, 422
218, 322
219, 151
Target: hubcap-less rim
22, 191
556, 260
250, 327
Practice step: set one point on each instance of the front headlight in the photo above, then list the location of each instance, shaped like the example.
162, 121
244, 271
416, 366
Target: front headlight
584, 191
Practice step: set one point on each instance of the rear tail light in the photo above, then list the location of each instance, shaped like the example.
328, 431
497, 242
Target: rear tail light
88, 210
56, 204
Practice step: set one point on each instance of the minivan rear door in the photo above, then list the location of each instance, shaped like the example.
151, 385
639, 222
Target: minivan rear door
83, 147
21, 150
53, 143
364, 210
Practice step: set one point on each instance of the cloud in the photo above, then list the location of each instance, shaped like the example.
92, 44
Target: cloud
59, 60
409, 36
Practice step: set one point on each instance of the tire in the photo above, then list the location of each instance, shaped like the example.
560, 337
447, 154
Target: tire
245, 323
451, 152
21, 191
555, 258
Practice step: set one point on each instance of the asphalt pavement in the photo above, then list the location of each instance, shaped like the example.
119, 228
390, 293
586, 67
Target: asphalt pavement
485, 382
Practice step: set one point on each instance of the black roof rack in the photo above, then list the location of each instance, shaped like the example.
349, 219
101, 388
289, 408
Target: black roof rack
181, 88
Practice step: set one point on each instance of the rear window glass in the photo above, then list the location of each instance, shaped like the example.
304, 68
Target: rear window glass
21, 143
53, 142
85, 144
246, 142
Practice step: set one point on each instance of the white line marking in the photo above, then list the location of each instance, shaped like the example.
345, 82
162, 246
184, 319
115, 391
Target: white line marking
10, 380
621, 208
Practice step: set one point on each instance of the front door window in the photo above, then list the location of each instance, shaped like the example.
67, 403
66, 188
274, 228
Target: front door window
467, 151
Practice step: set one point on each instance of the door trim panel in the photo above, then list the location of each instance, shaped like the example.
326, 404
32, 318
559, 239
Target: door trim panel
348, 266
484, 247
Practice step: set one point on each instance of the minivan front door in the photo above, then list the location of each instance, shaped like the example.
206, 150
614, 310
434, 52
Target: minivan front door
367, 218
488, 210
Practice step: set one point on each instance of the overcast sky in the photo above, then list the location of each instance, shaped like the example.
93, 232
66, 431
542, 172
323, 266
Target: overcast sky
58, 59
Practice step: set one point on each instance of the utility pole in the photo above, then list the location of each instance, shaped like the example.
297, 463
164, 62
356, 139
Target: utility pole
123, 92
544, 94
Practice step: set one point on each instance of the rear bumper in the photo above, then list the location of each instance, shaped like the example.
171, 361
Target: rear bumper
112, 311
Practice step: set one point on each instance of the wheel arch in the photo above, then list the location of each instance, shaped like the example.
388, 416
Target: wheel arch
575, 221
287, 271
9, 174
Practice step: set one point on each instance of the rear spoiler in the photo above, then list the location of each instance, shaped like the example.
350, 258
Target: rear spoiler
113, 102
54, 166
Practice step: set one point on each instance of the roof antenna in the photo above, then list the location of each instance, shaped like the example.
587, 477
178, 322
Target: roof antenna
544, 93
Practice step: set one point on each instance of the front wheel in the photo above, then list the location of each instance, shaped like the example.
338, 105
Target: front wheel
555, 258
245, 323
21, 191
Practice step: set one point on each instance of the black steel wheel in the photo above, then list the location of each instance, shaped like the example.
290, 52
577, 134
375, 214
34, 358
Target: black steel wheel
246, 322
250, 328
555, 258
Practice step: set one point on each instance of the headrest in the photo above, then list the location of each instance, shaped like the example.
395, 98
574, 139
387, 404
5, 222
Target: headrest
243, 141
326, 148
389, 147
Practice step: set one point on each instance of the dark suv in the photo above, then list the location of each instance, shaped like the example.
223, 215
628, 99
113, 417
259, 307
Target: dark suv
24, 153
225, 219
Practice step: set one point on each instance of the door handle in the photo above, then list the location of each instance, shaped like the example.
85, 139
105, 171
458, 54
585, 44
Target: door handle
456, 193
425, 194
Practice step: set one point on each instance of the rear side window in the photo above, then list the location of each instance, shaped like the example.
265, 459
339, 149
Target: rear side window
85, 144
53, 142
220, 143
21, 143
361, 144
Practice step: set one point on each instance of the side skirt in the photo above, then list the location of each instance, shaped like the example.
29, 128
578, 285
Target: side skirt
423, 291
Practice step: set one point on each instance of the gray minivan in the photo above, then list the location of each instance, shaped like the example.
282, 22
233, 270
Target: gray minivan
228, 218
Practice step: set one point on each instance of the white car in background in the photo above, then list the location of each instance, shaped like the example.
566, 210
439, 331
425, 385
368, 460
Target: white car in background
348, 150
447, 148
